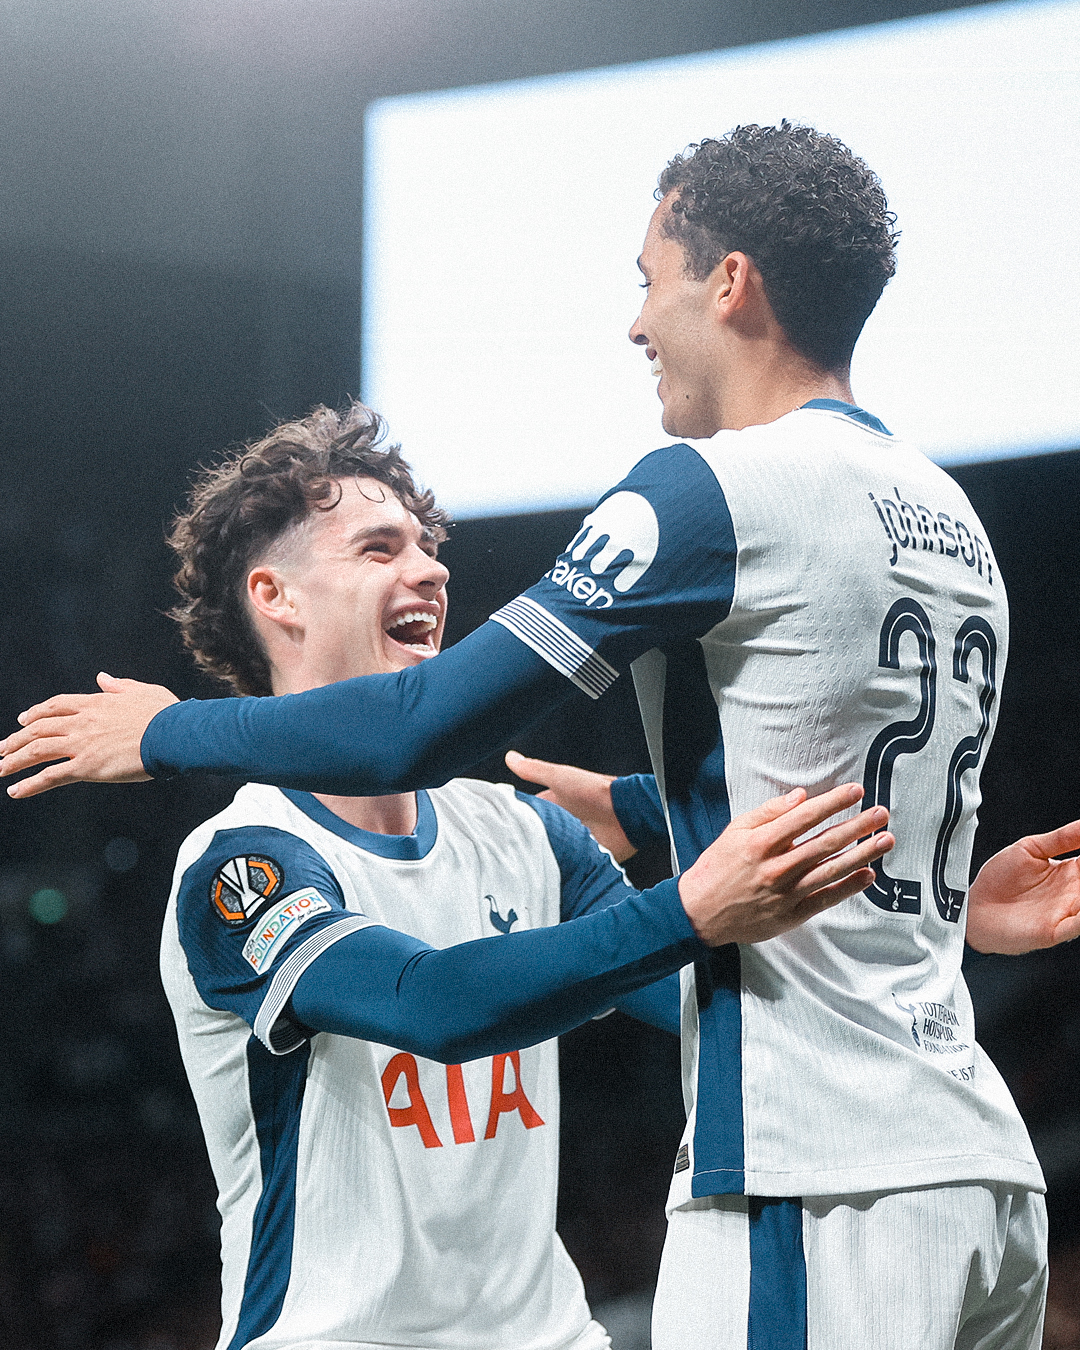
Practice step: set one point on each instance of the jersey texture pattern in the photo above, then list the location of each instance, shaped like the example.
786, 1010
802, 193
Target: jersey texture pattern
801, 604
371, 1197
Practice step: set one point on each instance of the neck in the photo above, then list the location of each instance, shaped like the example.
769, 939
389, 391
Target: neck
380, 815
763, 386
395, 814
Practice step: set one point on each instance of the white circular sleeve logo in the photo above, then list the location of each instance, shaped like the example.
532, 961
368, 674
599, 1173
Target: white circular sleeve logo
626, 523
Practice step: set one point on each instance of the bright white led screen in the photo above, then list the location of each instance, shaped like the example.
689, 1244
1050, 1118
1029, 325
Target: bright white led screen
502, 226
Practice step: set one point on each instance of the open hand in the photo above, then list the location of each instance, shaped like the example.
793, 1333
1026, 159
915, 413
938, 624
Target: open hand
95, 736
584, 794
1024, 899
755, 882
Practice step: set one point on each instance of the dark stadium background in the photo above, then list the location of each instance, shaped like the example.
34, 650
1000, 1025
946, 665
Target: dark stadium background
180, 246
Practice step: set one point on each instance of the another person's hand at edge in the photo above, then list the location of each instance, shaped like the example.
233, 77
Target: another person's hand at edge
583, 793
1024, 898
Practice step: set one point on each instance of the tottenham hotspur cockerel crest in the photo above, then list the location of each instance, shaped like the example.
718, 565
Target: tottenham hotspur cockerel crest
243, 885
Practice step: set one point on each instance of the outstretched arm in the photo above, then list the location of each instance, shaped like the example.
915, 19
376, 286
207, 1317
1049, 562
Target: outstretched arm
508, 992
363, 737
1024, 898
579, 627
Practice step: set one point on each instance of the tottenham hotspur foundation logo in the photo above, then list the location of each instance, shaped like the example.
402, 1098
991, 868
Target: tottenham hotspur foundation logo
243, 885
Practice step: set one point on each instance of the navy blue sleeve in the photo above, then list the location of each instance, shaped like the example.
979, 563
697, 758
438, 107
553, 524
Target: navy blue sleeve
591, 879
494, 994
638, 809
367, 737
253, 912
654, 563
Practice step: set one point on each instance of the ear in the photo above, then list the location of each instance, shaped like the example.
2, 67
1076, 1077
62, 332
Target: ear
270, 596
735, 277
739, 294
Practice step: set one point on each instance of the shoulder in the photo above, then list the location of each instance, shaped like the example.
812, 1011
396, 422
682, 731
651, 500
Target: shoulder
574, 847
479, 805
255, 806
247, 855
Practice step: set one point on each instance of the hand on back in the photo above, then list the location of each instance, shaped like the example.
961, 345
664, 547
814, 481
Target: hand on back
755, 882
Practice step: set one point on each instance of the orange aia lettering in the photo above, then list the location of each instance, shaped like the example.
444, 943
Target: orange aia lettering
416, 1113
459, 1105
501, 1100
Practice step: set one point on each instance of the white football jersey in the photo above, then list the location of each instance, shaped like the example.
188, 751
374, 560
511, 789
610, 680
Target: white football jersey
370, 1197
805, 603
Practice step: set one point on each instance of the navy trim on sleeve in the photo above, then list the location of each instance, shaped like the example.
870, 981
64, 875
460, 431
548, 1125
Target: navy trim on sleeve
653, 565
248, 910
590, 876
591, 879
638, 809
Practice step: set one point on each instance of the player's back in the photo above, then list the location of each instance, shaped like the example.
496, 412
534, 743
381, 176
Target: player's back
866, 639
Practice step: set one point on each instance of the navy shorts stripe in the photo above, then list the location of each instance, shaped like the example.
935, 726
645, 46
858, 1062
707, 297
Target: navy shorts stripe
777, 1317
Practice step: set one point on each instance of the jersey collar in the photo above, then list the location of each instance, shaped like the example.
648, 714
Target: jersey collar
398, 847
849, 410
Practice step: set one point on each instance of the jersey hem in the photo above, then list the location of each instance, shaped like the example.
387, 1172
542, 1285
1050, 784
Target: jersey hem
972, 1167
593, 1336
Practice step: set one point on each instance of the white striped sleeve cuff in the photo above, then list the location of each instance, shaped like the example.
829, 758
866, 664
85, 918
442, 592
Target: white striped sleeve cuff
560, 646
278, 1034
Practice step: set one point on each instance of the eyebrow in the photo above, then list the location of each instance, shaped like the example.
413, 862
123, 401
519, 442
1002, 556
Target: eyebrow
376, 532
640, 266
395, 532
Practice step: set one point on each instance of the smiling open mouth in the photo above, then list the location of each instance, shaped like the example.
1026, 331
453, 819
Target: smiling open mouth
413, 630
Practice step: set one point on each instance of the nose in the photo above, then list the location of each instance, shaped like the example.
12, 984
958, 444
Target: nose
425, 573
637, 337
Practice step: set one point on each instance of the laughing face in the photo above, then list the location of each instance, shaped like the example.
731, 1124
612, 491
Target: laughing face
360, 590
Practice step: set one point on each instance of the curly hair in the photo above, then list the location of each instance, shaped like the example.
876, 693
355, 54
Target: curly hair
811, 215
239, 508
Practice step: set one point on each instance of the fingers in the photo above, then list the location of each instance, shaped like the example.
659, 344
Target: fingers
60, 705
41, 742
827, 896
1067, 930
771, 810
1064, 839
809, 853
838, 865
532, 770
787, 827
57, 775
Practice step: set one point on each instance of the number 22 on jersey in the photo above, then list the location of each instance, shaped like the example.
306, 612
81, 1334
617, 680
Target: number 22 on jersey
903, 895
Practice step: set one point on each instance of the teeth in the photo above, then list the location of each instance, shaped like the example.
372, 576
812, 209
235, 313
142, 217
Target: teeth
429, 620
656, 368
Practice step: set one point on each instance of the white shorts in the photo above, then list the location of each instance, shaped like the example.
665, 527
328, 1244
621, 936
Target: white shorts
958, 1267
